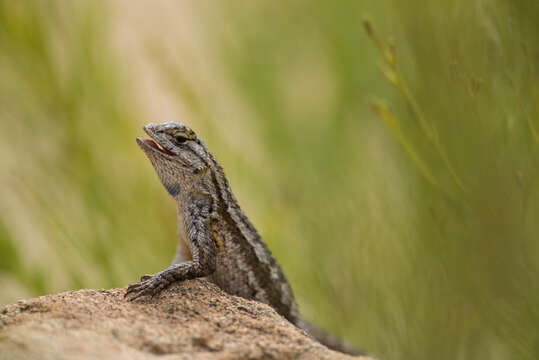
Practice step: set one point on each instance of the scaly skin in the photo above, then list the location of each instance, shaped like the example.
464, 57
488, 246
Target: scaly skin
216, 240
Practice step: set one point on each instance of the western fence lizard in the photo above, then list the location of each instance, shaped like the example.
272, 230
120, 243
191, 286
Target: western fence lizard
216, 239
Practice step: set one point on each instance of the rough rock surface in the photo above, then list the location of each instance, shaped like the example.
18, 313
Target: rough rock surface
191, 320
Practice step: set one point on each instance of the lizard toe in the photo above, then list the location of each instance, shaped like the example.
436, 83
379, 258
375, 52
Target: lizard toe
136, 291
145, 277
149, 285
160, 287
135, 288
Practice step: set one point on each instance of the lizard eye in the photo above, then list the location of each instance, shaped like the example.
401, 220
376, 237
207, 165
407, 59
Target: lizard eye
180, 139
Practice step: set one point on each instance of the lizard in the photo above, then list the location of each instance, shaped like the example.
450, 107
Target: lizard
216, 240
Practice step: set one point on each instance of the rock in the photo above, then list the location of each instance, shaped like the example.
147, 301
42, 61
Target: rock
190, 320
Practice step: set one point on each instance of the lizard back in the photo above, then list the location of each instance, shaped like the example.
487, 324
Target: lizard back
254, 274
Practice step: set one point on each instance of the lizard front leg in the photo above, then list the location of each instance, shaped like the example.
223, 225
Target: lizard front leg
203, 250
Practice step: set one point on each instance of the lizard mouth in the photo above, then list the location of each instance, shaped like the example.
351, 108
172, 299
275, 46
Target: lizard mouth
155, 142
152, 144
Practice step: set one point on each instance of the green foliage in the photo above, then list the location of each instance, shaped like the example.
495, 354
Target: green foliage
410, 230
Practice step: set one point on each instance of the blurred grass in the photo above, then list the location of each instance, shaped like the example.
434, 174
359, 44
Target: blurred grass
374, 251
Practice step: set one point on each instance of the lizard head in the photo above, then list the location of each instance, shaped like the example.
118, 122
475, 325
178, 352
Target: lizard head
177, 155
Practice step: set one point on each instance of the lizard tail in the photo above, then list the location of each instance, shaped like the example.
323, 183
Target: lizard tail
327, 339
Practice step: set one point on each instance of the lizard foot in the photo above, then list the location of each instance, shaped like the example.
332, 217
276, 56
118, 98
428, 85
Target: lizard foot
148, 285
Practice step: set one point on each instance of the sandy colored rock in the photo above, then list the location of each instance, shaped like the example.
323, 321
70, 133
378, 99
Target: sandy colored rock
191, 320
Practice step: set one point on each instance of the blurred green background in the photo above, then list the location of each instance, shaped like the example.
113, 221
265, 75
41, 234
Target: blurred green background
402, 204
